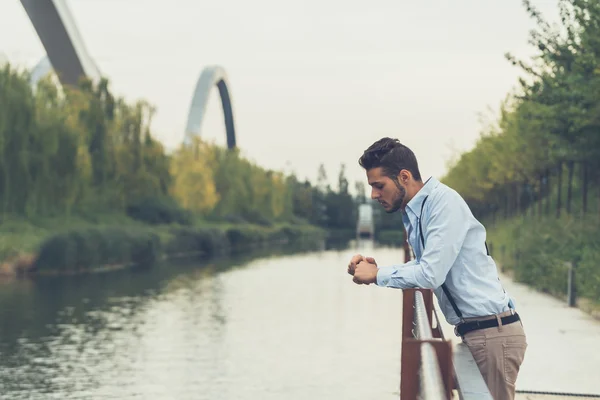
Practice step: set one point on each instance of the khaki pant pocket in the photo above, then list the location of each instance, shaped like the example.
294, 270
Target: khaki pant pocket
514, 354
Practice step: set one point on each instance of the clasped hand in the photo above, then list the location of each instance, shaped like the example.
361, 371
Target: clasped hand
364, 269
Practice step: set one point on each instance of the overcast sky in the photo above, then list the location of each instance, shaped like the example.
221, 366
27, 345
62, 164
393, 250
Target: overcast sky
312, 81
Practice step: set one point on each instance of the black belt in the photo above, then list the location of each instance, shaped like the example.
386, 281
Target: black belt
467, 327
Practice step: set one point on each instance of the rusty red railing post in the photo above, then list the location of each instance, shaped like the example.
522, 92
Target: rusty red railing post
420, 339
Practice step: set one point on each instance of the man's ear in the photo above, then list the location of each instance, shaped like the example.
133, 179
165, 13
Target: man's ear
404, 176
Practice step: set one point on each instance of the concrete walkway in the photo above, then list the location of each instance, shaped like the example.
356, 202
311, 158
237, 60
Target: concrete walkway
563, 353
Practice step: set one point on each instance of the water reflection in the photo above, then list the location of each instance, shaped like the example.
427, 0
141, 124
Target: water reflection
271, 325
364, 245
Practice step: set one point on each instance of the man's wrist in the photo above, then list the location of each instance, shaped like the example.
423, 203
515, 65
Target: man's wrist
384, 274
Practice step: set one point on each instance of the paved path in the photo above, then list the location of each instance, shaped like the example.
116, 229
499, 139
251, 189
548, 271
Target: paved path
563, 353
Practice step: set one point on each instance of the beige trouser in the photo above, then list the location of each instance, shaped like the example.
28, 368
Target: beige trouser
498, 352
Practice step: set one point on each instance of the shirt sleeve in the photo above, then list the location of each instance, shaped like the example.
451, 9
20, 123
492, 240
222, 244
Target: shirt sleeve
385, 274
445, 231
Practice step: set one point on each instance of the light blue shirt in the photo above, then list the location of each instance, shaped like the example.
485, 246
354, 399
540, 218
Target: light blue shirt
454, 253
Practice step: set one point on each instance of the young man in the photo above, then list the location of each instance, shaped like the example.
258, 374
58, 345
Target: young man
451, 258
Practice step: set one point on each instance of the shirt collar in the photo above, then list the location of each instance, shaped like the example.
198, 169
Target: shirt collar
415, 204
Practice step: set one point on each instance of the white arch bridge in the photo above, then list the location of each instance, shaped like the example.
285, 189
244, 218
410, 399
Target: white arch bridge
67, 56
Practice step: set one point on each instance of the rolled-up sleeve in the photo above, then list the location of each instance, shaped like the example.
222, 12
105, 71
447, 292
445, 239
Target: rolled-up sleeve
444, 231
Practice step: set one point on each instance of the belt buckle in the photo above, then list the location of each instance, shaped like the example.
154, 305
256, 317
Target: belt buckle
462, 321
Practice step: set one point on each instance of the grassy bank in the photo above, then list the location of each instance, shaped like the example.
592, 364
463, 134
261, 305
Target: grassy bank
389, 237
84, 185
384, 237
536, 251
111, 241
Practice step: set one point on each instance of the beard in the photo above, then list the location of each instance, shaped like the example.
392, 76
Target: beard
399, 200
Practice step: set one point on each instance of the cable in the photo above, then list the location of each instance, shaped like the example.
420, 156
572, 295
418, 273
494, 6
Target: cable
591, 396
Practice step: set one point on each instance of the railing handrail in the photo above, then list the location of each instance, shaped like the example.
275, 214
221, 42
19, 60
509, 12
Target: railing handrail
420, 320
431, 386
429, 368
430, 379
426, 359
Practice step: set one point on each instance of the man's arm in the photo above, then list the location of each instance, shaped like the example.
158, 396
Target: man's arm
444, 231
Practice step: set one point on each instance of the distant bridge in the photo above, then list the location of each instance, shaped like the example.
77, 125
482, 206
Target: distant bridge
68, 57
209, 78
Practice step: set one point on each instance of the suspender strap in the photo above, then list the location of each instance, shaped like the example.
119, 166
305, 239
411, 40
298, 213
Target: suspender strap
444, 287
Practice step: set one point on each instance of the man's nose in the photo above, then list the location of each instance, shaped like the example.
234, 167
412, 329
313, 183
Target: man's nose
374, 195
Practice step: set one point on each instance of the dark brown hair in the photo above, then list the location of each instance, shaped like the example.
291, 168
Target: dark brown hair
392, 156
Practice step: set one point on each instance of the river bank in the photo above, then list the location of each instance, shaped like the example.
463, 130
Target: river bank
539, 252
108, 242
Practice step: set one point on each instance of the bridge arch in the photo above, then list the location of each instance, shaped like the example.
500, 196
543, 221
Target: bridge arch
40, 71
210, 77
67, 56
65, 49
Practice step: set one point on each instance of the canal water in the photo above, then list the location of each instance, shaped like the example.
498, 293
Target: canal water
278, 326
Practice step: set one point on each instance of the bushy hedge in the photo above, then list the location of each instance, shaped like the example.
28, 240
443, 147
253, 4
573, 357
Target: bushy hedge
82, 250
189, 240
340, 236
246, 237
250, 217
390, 237
537, 251
257, 218
156, 210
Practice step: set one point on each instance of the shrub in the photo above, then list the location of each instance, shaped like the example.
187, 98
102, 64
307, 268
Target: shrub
78, 250
208, 241
155, 210
390, 237
537, 251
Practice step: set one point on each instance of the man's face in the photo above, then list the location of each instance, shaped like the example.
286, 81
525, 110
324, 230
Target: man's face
388, 192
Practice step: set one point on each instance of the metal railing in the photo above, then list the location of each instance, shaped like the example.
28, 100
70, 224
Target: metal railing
426, 370
430, 378
430, 370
